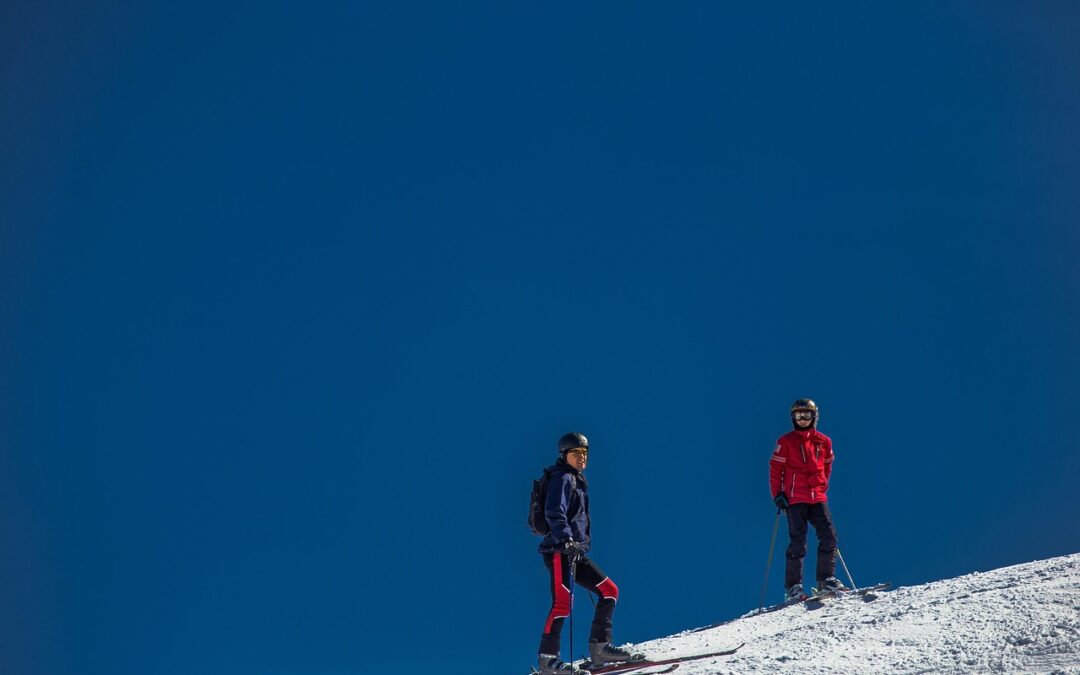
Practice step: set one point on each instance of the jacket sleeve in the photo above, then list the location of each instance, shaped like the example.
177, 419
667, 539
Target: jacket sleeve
776, 470
556, 504
828, 462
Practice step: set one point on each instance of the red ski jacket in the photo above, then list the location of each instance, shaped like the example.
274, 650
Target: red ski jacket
800, 466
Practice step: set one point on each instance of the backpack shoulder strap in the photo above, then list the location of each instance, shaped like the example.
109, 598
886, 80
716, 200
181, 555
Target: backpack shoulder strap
552, 470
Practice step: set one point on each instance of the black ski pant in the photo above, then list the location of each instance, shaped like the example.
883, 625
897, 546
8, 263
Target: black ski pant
818, 515
589, 576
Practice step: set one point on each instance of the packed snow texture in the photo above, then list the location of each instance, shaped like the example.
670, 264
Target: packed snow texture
1020, 619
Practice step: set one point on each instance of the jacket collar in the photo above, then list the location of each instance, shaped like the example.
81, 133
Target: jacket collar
562, 466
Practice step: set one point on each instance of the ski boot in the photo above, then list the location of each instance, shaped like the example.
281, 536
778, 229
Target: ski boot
604, 653
830, 584
795, 593
548, 664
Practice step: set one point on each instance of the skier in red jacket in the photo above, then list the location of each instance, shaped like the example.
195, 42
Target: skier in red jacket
799, 474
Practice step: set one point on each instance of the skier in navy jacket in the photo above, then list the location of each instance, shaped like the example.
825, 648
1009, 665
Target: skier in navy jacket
566, 508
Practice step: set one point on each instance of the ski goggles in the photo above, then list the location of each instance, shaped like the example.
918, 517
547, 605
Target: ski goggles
584, 452
803, 415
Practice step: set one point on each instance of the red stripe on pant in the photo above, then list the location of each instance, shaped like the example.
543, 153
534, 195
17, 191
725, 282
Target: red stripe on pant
607, 589
560, 608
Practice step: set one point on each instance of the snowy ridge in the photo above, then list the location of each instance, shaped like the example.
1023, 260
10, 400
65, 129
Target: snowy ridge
1019, 619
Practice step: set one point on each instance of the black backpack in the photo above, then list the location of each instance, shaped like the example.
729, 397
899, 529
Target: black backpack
537, 521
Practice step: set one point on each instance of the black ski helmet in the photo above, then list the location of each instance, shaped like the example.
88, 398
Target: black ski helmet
805, 405
572, 440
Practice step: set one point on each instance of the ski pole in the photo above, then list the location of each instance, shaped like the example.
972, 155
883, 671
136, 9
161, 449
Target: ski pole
573, 572
768, 564
846, 570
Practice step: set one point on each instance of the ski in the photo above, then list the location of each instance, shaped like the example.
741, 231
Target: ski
812, 598
656, 672
864, 591
635, 658
868, 592
811, 602
634, 666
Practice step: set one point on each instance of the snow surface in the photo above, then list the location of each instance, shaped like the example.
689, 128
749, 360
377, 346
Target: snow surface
1020, 619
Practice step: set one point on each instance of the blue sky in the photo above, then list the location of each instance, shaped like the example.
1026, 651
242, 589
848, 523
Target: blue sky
295, 303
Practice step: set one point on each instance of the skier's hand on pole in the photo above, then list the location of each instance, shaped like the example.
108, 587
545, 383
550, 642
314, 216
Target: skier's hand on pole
572, 550
781, 501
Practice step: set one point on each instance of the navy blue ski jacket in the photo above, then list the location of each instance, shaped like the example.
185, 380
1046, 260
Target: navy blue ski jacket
566, 507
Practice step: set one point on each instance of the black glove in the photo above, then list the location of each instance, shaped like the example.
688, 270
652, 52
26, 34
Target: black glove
572, 550
781, 501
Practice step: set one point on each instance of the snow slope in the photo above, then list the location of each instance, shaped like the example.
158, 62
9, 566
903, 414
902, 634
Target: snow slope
1020, 619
